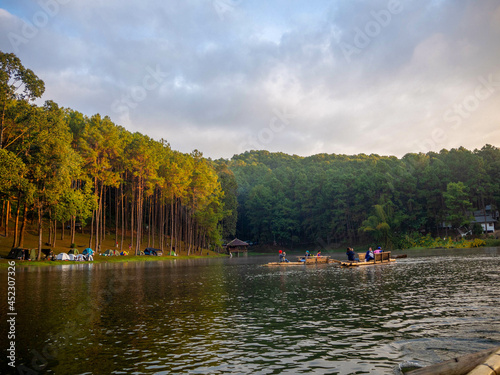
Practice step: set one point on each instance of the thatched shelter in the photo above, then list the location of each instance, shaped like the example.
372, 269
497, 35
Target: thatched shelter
236, 246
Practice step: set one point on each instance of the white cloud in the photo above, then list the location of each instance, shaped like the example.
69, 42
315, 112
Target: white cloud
222, 77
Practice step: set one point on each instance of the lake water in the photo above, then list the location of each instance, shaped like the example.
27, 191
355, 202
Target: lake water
233, 316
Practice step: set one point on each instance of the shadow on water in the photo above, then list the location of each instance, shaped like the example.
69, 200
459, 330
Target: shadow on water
221, 316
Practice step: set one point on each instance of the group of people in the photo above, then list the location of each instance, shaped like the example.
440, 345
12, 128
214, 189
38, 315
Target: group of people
282, 255
308, 254
370, 254
352, 256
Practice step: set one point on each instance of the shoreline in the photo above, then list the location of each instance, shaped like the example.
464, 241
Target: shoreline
4, 262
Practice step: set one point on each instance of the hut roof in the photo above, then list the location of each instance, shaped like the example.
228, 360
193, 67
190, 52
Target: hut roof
237, 242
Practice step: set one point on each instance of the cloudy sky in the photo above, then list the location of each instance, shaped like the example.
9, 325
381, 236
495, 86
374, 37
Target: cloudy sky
301, 77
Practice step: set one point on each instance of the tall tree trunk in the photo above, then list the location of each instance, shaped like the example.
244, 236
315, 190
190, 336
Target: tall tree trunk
123, 217
102, 226
137, 220
16, 225
39, 231
2, 214
98, 218
23, 225
49, 238
2, 123
55, 234
91, 229
116, 217
72, 228
161, 219
132, 213
149, 221
7, 216
172, 222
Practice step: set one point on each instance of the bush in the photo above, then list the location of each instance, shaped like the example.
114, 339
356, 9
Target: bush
492, 242
478, 242
447, 243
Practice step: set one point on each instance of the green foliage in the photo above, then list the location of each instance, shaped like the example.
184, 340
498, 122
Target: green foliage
334, 199
16, 83
458, 205
416, 240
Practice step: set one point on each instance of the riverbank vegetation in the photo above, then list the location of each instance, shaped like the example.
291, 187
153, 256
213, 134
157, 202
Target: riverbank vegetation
333, 200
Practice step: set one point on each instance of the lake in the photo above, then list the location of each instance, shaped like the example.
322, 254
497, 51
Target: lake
233, 316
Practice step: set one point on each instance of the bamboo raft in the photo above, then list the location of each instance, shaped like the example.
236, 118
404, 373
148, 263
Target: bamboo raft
380, 258
486, 362
308, 261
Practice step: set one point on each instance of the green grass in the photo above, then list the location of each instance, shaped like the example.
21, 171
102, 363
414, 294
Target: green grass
82, 242
491, 242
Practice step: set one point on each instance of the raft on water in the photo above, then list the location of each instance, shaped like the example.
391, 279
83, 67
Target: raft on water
314, 259
306, 261
486, 362
380, 258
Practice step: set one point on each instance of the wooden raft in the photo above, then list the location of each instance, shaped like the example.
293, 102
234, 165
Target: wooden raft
486, 362
314, 259
380, 258
308, 261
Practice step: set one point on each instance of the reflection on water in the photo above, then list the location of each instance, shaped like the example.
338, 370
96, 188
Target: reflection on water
233, 316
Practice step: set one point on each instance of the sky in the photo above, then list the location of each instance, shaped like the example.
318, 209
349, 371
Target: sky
299, 77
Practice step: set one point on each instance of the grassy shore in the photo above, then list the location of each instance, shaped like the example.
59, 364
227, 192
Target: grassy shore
82, 242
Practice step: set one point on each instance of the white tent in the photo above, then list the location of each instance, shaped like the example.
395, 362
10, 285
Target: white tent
62, 256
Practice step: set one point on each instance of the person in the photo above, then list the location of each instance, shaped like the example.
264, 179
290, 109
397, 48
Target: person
369, 255
319, 254
307, 254
90, 255
351, 255
281, 255
284, 257
379, 250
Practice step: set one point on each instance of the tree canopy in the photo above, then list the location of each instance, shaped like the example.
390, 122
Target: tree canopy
333, 199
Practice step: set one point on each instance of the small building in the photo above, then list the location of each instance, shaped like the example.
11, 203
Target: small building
486, 218
236, 246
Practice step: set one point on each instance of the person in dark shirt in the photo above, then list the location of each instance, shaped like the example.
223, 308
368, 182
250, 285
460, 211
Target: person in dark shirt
351, 255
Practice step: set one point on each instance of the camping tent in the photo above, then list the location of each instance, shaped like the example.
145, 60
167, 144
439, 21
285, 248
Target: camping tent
152, 251
33, 254
111, 252
16, 253
62, 256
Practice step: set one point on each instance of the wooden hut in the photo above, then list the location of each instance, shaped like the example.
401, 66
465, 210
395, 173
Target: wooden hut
236, 246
